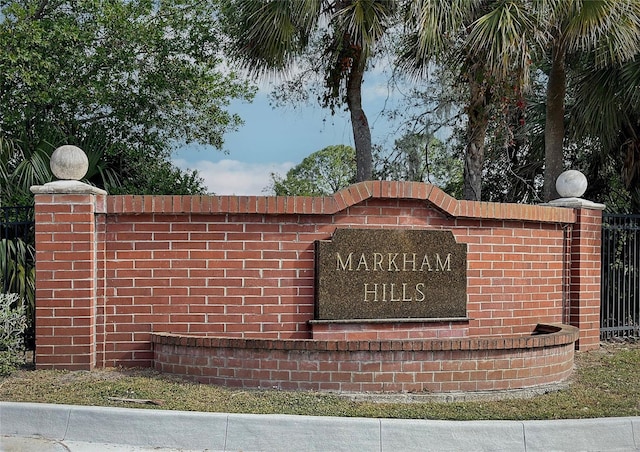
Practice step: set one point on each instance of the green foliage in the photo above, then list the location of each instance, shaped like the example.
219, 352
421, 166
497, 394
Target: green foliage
272, 36
496, 49
24, 166
322, 173
324, 40
153, 176
13, 323
129, 77
17, 274
610, 130
147, 70
21, 168
421, 158
488, 47
415, 157
17, 267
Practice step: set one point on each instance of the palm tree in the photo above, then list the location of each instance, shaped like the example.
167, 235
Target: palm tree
496, 38
272, 35
610, 28
24, 163
489, 43
607, 111
21, 167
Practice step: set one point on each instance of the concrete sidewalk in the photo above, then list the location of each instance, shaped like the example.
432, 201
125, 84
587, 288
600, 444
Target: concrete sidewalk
46, 427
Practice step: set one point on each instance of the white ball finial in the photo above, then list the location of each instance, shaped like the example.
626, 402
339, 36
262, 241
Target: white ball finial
571, 184
69, 163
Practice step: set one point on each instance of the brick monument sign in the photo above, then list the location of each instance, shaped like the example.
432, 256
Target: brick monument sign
376, 274
414, 291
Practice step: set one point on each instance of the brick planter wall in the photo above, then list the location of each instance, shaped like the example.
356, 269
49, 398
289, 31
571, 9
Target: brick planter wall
460, 365
243, 267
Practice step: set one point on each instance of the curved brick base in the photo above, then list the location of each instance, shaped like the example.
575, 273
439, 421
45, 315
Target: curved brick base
449, 365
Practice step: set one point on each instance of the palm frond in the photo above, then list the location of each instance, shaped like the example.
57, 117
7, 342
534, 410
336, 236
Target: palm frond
6, 154
505, 39
630, 82
366, 21
98, 171
606, 99
622, 41
610, 27
437, 22
272, 33
17, 271
432, 29
34, 168
96, 145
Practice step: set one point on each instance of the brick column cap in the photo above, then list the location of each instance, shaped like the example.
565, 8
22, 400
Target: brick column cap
575, 203
67, 187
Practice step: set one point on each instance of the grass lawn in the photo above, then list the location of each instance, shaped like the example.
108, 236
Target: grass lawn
605, 383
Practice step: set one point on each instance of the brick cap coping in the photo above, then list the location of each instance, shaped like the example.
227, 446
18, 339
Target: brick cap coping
66, 187
544, 335
328, 205
575, 203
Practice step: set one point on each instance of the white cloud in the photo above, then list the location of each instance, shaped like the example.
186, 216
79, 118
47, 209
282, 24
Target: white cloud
377, 92
231, 177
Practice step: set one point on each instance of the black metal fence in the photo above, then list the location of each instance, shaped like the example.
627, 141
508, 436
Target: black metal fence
17, 260
16, 230
17, 223
620, 287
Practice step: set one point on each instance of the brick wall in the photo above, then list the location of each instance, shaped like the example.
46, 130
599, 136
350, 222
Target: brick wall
66, 295
242, 267
407, 366
585, 243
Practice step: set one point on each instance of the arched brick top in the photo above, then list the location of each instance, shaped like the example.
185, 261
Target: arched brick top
350, 196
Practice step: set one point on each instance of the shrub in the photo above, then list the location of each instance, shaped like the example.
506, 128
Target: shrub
17, 275
13, 323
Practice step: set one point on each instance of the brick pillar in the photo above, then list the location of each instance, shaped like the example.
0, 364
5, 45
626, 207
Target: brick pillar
66, 278
584, 292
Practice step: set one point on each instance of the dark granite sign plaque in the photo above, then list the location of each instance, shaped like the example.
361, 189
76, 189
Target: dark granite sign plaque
390, 274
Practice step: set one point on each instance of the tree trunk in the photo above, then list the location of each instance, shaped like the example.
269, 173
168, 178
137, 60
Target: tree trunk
554, 124
476, 132
359, 122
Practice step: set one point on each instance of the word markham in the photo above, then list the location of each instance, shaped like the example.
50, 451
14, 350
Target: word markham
393, 262
390, 274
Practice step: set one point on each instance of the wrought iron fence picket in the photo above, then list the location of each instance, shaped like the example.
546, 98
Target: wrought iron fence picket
16, 223
17, 260
620, 286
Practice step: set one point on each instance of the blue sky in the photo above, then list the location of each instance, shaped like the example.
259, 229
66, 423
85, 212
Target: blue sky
274, 140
